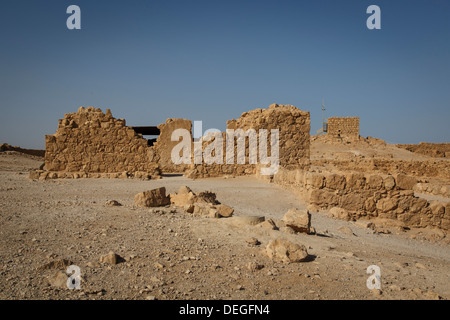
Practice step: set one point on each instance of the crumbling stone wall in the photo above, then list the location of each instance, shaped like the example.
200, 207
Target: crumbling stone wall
164, 144
368, 196
343, 127
90, 141
294, 140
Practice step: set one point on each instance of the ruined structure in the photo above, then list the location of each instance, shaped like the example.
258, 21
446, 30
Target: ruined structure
92, 142
294, 140
343, 127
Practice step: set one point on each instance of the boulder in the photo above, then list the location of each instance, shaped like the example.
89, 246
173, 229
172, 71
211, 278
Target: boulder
206, 197
268, 224
339, 213
152, 198
111, 258
58, 280
224, 210
112, 203
286, 251
183, 197
202, 209
298, 220
253, 241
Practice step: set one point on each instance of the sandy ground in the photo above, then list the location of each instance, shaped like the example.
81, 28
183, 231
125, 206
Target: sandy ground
172, 255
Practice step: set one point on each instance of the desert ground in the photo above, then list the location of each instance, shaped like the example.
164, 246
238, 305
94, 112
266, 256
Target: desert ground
167, 253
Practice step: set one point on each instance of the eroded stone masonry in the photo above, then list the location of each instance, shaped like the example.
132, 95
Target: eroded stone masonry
90, 143
93, 144
343, 127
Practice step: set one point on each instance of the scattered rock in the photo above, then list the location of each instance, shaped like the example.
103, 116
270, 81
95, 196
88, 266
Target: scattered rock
112, 203
346, 230
184, 196
286, 251
287, 230
268, 224
111, 258
202, 209
224, 210
298, 220
189, 208
339, 213
421, 266
57, 264
253, 241
93, 264
58, 280
376, 292
206, 197
214, 213
152, 198
253, 266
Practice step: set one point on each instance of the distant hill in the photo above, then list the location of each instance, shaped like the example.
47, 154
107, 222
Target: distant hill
439, 150
34, 152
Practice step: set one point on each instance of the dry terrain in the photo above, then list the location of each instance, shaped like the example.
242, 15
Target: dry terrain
169, 254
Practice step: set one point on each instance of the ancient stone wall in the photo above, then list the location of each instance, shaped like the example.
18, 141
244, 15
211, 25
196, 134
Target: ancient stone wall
368, 196
430, 168
164, 145
343, 127
90, 141
294, 140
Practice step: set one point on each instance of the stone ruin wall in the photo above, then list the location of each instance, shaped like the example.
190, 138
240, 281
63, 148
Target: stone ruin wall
368, 196
90, 143
343, 127
294, 140
164, 145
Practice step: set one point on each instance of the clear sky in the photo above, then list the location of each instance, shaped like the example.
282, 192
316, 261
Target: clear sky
212, 60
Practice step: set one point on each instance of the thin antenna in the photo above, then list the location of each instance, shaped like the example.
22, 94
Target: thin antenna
323, 111
324, 124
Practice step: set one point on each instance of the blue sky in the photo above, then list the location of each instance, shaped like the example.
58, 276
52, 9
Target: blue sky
212, 60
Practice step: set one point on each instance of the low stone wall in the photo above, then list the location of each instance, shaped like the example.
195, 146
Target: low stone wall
431, 169
46, 175
368, 196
